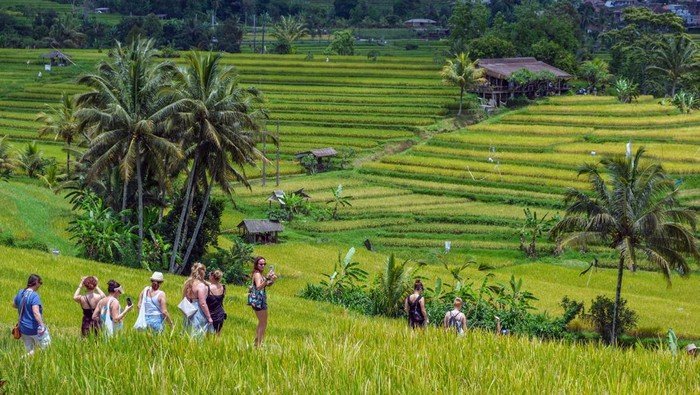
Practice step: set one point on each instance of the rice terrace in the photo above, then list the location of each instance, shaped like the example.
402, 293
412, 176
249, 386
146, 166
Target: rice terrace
349, 196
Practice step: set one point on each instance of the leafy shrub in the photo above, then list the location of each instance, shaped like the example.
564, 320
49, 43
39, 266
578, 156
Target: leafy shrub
626, 90
234, 263
601, 316
343, 43
32, 160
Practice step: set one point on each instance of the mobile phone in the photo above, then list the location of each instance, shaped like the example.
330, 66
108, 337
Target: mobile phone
128, 302
272, 269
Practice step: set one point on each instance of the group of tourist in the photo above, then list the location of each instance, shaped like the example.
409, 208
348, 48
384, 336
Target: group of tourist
202, 306
455, 320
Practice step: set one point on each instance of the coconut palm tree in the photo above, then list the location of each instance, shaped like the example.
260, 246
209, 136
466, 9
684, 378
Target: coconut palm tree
463, 73
674, 58
288, 30
222, 124
634, 210
62, 123
125, 108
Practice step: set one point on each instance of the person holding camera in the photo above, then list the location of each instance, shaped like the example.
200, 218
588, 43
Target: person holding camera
88, 302
257, 296
31, 316
108, 311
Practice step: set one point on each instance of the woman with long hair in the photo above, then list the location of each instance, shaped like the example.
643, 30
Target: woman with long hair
195, 290
108, 311
257, 298
215, 300
414, 305
88, 301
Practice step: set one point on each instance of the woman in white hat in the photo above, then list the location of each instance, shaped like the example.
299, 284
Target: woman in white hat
692, 350
152, 299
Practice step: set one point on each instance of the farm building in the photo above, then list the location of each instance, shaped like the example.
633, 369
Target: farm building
57, 58
322, 155
499, 86
419, 23
260, 231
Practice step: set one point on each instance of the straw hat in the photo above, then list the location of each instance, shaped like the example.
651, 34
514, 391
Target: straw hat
157, 276
691, 347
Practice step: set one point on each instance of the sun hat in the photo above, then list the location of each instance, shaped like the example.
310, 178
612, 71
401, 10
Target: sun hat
157, 276
691, 347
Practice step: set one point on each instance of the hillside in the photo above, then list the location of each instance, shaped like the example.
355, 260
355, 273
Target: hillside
331, 349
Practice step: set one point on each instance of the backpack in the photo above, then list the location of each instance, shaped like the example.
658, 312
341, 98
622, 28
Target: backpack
414, 312
454, 322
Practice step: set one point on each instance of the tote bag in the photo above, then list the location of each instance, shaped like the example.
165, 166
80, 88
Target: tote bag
187, 308
140, 323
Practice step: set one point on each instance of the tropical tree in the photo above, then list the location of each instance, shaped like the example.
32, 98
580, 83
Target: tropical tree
288, 30
62, 123
392, 285
221, 124
675, 57
634, 210
595, 72
338, 200
626, 90
463, 73
7, 162
32, 160
125, 108
685, 101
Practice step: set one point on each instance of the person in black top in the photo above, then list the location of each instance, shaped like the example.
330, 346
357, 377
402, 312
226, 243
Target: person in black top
215, 300
87, 302
415, 307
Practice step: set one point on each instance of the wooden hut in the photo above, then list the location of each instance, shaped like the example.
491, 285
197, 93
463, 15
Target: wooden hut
322, 155
57, 58
260, 231
499, 87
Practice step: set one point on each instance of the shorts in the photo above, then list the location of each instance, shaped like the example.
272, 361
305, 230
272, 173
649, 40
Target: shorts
262, 308
218, 325
32, 342
155, 322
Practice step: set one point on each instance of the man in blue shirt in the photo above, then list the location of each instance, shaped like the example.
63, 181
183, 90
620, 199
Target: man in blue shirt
31, 320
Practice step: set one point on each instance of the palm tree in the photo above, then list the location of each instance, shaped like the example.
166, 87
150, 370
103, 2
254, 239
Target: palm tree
125, 108
7, 163
674, 58
32, 160
393, 284
221, 121
462, 72
62, 123
338, 200
288, 30
634, 210
595, 72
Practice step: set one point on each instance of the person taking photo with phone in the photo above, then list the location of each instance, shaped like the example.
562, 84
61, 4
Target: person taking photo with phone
108, 311
257, 296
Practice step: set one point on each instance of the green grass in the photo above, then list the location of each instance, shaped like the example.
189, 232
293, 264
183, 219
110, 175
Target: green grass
329, 347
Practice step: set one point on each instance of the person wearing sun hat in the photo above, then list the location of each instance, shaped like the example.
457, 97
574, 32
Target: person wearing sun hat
152, 300
692, 350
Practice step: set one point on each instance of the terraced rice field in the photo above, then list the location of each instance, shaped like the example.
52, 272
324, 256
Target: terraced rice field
346, 102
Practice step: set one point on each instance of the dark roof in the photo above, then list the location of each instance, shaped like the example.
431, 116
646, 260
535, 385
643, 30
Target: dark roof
301, 193
420, 20
319, 153
503, 68
261, 225
55, 54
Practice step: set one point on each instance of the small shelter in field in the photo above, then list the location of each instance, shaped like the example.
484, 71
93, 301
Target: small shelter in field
419, 23
499, 86
300, 192
322, 155
57, 57
260, 231
278, 196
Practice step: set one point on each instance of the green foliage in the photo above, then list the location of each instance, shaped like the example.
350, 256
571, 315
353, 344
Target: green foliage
686, 102
230, 34
595, 72
673, 59
7, 162
234, 263
309, 163
532, 229
343, 43
462, 72
601, 316
491, 46
32, 160
391, 286
288, 30
626, 90
338, 200
469, 20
